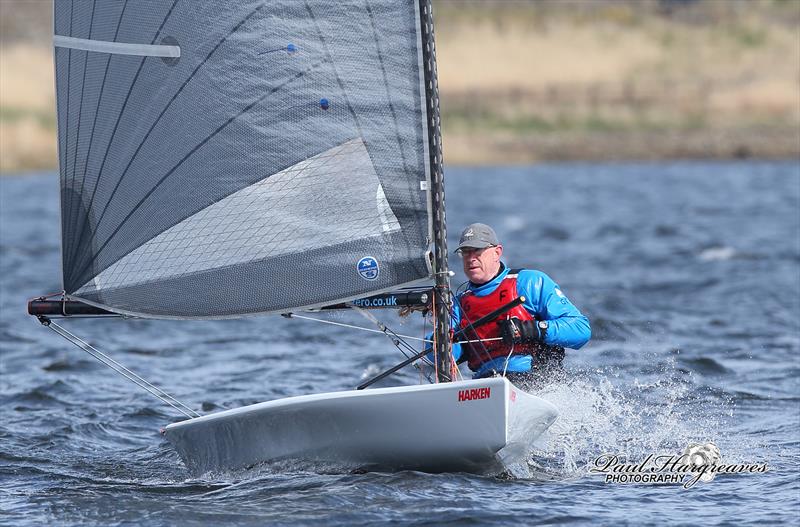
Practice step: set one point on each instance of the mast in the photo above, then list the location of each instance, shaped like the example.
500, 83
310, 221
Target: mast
442, 300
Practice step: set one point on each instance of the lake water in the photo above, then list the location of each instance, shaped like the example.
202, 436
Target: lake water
689, 272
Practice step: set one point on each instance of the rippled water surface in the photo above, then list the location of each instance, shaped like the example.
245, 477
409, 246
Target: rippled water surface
689, 272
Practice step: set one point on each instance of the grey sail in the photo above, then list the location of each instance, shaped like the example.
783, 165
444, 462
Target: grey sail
227, 158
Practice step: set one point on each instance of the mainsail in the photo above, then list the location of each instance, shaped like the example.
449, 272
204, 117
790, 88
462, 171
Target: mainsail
229, 158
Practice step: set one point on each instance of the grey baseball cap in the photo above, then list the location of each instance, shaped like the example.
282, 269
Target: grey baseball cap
477, 236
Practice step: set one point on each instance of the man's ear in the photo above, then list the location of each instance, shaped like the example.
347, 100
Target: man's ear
499, 251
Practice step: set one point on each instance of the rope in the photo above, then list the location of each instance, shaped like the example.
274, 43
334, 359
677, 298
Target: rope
342, 324
508, 357
396, 339
484, 350
331, 322
153, 390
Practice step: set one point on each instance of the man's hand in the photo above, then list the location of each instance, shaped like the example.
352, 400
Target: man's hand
516, 331
407, 310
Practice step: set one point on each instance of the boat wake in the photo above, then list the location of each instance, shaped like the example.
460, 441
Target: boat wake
602, 412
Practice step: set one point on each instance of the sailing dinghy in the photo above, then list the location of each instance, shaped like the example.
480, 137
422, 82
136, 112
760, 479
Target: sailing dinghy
443, 426
229, 159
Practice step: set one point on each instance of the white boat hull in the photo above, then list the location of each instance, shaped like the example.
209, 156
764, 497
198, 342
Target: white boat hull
430, 427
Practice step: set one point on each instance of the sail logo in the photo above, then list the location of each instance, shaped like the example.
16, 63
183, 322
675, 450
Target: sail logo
473, 394
368, 268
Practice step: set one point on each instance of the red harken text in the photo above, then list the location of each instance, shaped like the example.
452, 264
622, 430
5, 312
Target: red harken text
475, 393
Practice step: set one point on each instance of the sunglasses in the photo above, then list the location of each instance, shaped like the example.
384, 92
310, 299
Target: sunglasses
466, 251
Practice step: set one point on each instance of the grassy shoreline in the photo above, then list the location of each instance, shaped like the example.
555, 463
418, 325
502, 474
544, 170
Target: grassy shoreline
525, 82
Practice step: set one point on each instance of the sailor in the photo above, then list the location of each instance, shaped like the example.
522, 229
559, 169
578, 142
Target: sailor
526, 343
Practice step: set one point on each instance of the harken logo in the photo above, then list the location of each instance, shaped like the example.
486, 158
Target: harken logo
368, 268
473, 394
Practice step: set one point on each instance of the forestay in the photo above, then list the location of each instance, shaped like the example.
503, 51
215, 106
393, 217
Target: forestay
228, 158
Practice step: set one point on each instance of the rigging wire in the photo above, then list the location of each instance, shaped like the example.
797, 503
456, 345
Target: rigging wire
351, 326
153, 390
342, 324
396, 339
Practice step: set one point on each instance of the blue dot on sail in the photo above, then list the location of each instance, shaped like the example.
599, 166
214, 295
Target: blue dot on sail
324, 104
291, 48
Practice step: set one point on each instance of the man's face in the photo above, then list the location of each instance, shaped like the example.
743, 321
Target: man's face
480, 265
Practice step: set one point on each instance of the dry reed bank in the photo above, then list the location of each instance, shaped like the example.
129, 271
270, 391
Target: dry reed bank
527, 81
541, 80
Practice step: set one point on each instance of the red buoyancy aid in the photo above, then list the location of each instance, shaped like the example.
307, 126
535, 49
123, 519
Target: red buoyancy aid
474, 307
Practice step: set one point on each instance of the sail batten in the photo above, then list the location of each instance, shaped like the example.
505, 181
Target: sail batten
120, 48
274, 164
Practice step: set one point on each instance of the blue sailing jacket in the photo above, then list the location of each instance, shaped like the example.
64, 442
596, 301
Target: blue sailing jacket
544, 300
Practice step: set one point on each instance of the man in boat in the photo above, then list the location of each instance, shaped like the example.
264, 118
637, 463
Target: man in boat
526, 343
